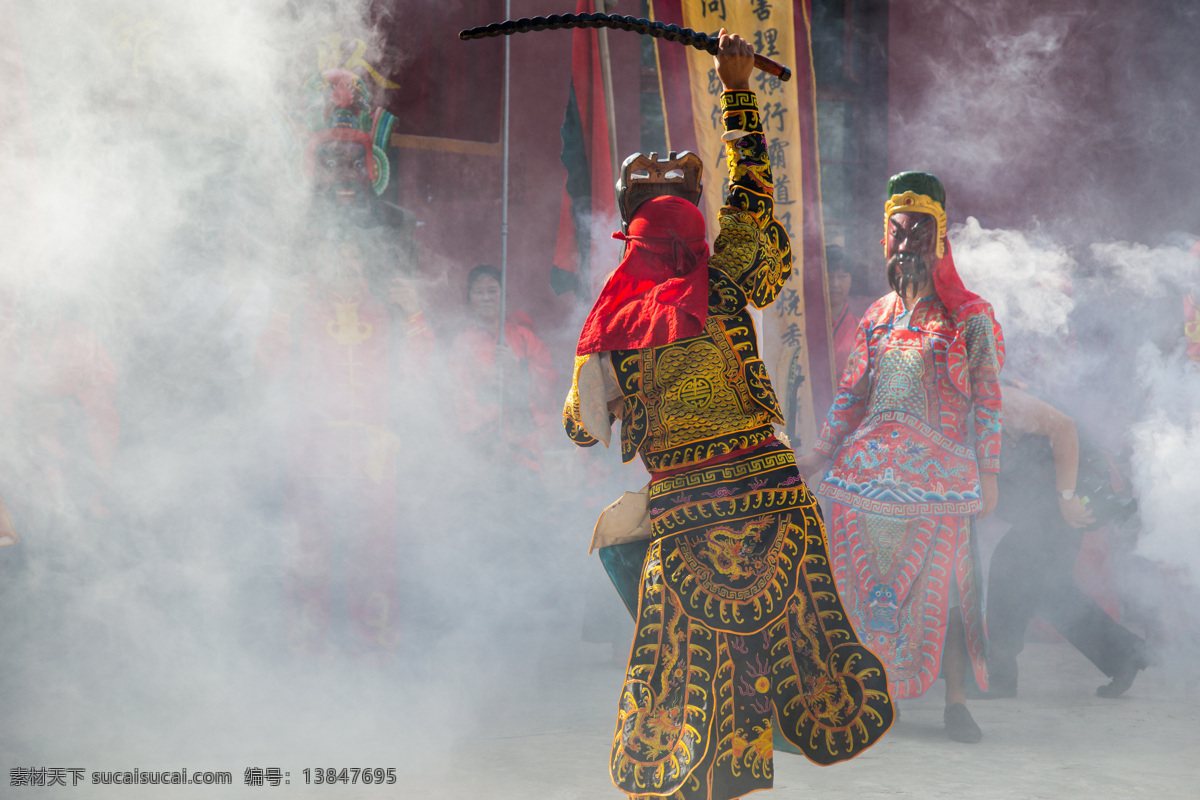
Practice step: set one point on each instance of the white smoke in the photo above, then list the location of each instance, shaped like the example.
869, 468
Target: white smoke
1027, 283
166, 180
165, 163
1094, 325
994, 113
1166, 458
1150, 284
1148, 272
1027, 279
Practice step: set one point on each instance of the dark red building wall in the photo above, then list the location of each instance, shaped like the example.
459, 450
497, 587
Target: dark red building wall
457, 197
1079, 116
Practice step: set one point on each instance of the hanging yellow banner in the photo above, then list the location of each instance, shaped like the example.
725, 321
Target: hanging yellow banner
770, 27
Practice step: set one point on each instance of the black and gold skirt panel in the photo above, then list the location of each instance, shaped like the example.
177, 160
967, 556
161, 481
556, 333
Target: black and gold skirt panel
738, 623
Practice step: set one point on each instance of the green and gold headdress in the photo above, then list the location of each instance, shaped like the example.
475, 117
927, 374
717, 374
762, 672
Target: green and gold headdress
917, 193
339, 109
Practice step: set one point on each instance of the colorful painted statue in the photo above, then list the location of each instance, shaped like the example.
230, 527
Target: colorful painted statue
738, 623
344, 352
914, 434
346, 153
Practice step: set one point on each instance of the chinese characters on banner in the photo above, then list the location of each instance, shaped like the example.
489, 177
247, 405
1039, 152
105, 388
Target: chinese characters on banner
770, 26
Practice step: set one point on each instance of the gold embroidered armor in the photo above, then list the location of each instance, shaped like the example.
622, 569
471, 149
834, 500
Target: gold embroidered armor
704, 396
739, 628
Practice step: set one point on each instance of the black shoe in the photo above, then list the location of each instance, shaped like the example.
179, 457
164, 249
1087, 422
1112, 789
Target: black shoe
960, 726
1123, 678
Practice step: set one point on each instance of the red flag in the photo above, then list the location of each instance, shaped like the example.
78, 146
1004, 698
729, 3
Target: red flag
588, 196
812, 247
673, 81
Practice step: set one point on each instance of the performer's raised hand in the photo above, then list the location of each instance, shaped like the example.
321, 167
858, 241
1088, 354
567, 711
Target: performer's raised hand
735, 61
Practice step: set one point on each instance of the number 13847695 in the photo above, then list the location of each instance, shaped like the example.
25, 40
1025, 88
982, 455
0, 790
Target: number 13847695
364, 775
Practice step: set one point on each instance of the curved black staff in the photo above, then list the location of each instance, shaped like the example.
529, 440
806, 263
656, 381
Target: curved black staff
672, 33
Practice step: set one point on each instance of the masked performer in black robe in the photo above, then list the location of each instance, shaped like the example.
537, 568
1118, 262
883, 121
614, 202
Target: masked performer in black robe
738, 619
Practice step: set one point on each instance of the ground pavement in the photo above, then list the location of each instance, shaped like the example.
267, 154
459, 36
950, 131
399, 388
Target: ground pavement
550, 741
1056, 740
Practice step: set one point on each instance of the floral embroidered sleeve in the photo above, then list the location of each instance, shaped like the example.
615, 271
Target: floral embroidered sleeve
984, 362
752, 248
849, 407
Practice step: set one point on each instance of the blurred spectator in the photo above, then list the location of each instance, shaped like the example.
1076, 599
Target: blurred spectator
485, 368
1033, 566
